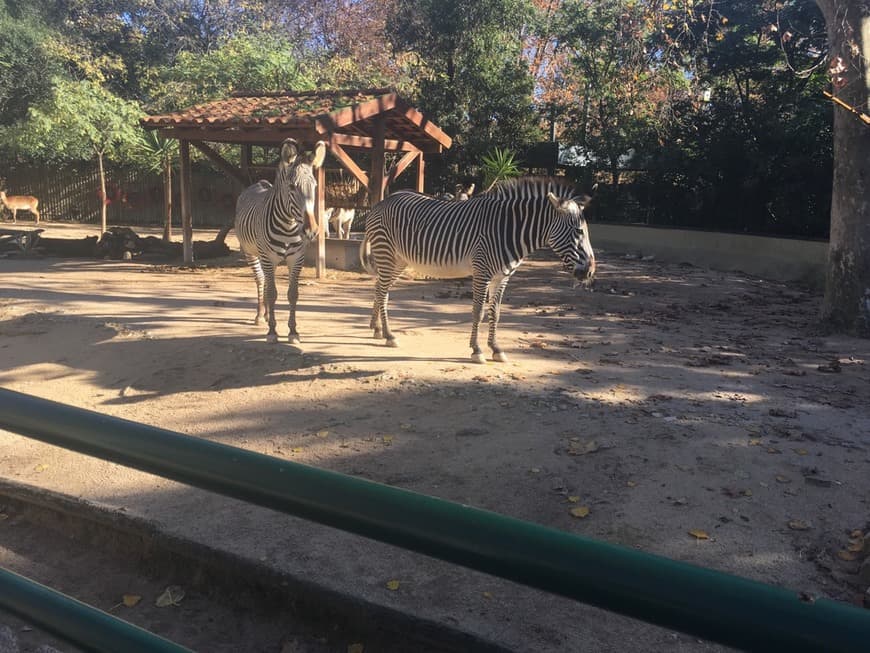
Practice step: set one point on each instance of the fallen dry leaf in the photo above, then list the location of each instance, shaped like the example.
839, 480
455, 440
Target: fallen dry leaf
699, 535
172, 595
322, 434
581, 512
131, 600
393, 585
573, 499
576, 448
782, 479
799, 525
41, 467
856, 542
848, 556
355, 648
487, 595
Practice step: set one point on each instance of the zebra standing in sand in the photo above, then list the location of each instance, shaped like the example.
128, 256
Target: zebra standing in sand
274, 223
486, 237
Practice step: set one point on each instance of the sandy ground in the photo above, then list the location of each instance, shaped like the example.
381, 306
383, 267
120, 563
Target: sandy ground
671, 399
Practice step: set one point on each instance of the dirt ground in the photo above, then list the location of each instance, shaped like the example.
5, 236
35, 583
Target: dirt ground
669, 400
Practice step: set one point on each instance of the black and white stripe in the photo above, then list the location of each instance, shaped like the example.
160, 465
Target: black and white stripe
486, 237
274, 223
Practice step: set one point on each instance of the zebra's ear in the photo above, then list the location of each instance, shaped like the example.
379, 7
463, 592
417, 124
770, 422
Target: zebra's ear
318, 154
289, 151
555, 201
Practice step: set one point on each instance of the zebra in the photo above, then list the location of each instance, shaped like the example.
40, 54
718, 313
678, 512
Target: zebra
341, 220
486, 236
274, 223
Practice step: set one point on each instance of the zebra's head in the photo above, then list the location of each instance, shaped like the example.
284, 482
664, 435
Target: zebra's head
297, 182
569, 236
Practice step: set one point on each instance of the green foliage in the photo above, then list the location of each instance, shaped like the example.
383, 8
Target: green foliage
81, 121
151, 151
499, 164
756, 157
26, 67
473, 81
255, 63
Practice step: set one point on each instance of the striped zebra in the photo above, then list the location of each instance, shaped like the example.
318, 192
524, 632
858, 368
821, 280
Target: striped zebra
274, 223
486, 237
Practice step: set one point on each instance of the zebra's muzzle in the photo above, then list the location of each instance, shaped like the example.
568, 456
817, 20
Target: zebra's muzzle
585, 273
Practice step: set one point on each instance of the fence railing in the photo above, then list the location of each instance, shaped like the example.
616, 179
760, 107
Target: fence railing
706, 603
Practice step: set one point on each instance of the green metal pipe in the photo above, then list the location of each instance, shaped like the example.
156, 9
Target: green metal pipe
86, 627
706, 603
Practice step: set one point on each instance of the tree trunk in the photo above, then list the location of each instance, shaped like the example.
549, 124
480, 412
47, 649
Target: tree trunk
167, 199
104, 199
846, 304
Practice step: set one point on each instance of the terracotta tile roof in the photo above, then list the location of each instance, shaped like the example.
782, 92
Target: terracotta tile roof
349, 112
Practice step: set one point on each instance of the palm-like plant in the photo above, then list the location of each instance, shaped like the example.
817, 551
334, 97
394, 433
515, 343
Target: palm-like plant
158, 154
499, 164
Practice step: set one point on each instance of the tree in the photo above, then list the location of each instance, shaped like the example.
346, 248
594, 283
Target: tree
473, 80
158, 155
26, 68
83, 120
846, 304
246, 62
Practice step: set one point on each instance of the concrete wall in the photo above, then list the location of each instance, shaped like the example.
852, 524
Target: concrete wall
340, 254
784, 259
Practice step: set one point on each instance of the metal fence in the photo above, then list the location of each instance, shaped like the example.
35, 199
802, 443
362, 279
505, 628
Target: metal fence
136, 197
695, 600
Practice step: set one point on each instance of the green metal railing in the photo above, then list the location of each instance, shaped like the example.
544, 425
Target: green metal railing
706, 603
76, 622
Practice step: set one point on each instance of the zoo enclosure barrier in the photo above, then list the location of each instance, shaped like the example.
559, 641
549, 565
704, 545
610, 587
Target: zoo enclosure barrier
699, 601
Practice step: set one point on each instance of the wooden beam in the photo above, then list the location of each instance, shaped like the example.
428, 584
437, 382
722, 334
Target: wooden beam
421, 172
349, 115
376, 180
367, 143
349, 164
267, 137
186, 192
233, 173
399, 167
431, 129
320, 214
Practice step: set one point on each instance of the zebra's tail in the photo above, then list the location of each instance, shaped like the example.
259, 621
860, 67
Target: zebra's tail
365, 256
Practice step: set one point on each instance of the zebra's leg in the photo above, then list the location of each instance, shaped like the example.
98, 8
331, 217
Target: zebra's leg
270, 296
479, 293
254, 263
382, 296
295, 267
496, 292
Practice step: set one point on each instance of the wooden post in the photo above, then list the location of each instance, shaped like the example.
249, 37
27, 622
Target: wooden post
320, 214
247, 160
376, 178
186, 190
421, 172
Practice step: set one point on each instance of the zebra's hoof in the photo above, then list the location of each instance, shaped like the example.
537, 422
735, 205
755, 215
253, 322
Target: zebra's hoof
272, 338
478, 358
499, 357
392, 342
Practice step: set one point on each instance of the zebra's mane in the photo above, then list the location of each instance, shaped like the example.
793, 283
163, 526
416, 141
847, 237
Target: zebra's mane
533, 187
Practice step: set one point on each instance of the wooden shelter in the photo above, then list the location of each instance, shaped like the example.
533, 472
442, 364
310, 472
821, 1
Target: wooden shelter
349, 121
